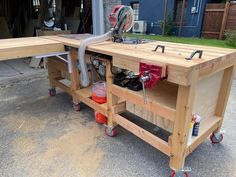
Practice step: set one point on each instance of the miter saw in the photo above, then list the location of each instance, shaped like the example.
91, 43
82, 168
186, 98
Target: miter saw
123, 19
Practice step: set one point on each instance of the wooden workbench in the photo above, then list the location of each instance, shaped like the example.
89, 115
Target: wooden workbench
26, 47
197, 86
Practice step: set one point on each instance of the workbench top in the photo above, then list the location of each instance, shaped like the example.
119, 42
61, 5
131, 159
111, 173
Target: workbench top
128, 56
26, 47
175, 53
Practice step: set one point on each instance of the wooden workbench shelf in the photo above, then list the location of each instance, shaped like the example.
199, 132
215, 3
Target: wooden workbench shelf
85, 94
207, 126
140, 132
160, 100
63, 84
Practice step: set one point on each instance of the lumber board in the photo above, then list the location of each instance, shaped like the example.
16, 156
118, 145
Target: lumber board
27, 47
143, 134
179, 69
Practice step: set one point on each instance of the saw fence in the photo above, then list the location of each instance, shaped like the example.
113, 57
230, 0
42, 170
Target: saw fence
198, 84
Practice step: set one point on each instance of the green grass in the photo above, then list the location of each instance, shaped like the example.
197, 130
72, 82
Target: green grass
184, 40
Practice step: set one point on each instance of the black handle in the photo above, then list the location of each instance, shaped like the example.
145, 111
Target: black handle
159, 46
200, 52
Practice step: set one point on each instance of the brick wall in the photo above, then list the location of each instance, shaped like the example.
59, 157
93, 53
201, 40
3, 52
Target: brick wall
108, 6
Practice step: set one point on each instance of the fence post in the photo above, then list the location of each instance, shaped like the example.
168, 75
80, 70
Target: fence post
224, 21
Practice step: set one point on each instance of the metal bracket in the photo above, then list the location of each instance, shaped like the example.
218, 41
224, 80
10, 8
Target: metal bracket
159, 46
182, 172
58, 55
200, 52
218, 134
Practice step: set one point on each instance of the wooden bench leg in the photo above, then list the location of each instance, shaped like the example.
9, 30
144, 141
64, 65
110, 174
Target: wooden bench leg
53, 72
75, 79
224, 93
111, 99
184, 108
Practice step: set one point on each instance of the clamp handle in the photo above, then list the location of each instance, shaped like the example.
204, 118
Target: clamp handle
159, 46
200, 52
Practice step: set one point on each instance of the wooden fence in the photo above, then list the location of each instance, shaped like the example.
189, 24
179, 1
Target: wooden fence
217, 19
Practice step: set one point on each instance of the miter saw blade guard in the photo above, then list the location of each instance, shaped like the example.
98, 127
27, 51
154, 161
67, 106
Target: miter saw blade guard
122, 19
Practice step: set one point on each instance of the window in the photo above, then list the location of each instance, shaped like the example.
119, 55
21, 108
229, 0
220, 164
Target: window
178, 11
135, 7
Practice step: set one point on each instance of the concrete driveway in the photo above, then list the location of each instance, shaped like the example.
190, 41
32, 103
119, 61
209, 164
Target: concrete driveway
43, 137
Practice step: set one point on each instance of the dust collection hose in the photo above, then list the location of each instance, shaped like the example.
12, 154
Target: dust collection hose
84, 78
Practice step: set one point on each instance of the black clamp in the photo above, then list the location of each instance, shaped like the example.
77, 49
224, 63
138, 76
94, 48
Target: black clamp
159, 46
200, 52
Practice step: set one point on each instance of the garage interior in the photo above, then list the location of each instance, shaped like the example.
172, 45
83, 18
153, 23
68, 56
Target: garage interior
22, 18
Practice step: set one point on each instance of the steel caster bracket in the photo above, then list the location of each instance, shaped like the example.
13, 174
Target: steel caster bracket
111, 132
76, 107
182, 173
52, 92
217, 137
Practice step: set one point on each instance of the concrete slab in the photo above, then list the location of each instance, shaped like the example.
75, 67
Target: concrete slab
43, 136
13, 69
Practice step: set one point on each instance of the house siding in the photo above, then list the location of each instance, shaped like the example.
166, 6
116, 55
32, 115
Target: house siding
153, 12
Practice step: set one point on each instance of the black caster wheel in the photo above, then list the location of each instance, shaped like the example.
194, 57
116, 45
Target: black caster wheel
216, 138
76, 107
111, 132
52, 92
182, 174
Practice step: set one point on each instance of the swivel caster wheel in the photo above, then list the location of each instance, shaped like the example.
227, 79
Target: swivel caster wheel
111, 132
179, 174
216, 138
76, 107
52, 92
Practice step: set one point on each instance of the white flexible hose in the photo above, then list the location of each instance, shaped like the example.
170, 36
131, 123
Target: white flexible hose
84, 78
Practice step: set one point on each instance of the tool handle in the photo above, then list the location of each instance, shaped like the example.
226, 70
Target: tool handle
200, 52
159, 46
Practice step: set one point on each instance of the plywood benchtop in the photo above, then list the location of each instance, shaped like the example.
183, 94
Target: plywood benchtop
26, 47
129, 56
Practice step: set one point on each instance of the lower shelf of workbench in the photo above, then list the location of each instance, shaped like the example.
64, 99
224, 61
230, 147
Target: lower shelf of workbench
84, 95
207, 126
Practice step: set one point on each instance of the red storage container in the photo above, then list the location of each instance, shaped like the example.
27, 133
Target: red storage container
99, 95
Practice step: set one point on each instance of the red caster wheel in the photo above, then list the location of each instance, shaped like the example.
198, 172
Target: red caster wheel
110, 132
179, 174
52, 92
216, 138
76, 107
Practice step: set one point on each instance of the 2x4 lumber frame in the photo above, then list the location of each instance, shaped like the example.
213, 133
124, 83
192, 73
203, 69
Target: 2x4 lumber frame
224, 93
185, 100
112, 99
75, 84
143, 134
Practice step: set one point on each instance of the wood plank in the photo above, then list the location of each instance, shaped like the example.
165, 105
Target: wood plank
184, 108
217, 66
158, 100
224, 92
83, 95
224, 21
214, 10
62, 86
27, 47
143, 134
206, 128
